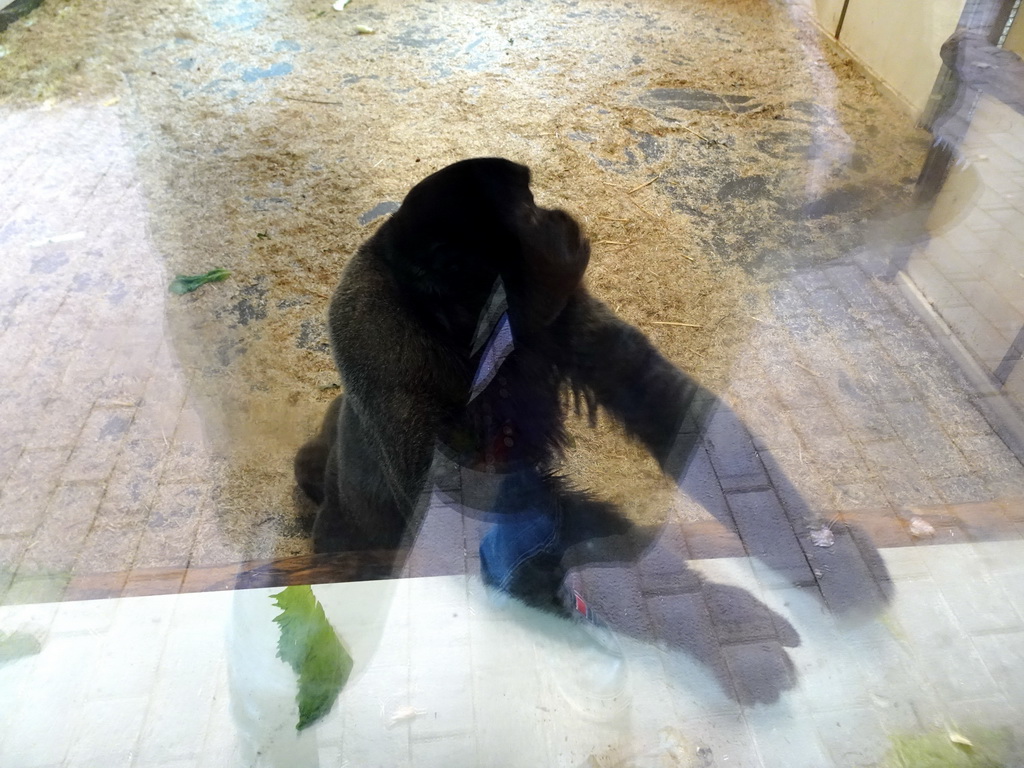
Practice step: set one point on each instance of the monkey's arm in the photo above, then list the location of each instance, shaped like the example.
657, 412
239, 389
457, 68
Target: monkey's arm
612, 361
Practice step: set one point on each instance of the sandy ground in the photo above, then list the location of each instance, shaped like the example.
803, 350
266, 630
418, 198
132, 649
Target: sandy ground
709, 148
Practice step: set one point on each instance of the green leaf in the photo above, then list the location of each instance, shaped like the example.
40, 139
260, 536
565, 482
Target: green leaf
311, 647
187, 283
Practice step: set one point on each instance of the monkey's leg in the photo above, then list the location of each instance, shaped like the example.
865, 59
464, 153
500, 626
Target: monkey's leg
311, 459
360, 510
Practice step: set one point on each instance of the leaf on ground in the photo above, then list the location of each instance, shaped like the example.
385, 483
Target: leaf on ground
311, 647
183, 284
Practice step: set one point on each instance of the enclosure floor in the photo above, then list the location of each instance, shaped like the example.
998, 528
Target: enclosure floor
147, 438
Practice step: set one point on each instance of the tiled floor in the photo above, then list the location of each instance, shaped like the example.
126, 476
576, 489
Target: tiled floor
146, 439
971, 270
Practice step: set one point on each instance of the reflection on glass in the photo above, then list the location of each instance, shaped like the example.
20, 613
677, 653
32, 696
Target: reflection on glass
722, 468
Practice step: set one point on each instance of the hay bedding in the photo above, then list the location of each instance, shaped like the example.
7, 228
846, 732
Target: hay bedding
268, 174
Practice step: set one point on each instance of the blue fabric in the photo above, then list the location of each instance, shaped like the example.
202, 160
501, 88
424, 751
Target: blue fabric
527, 526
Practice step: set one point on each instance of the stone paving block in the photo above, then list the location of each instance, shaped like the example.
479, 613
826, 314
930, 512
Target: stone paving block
980, 295
796, 387
128, 497
663, 566
863, 494
921, 359
445, 473
981, 604
799, 484
54, 696
1003, 472
788, 302
192, 424
129, 375
11, 550
734, 745
614, 592
89, 365
878, 527
13, 441
810, 280
362, 728
161, 407
934, 284
759, 671
701, 485
978, 334
732, 453
1003, 653
108, 729
796, 742
474, 528
682, 622
108, 549
883, 380
851, 574
10, 452
837, 318
188, 461
936, 636
902, 481
851, 736
450, 750
770, 427
768, 534
28, 489
986, 452
57, 540
712, 539
181, 702
962, 489
737, 615
948, 259
22, 175
26, 590
1013, 508
60, 423
440, 547
440, 682
956, 415
857, 288
99, 444
978, 220
859, 416
170, 533
838, 457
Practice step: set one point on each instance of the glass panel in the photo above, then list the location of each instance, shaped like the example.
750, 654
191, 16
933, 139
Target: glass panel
688, 435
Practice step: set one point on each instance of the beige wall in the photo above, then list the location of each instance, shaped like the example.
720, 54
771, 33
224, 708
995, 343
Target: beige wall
1015, 37
827, 11
897, 41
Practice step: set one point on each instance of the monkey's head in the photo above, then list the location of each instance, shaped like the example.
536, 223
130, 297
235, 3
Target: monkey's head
461, 228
